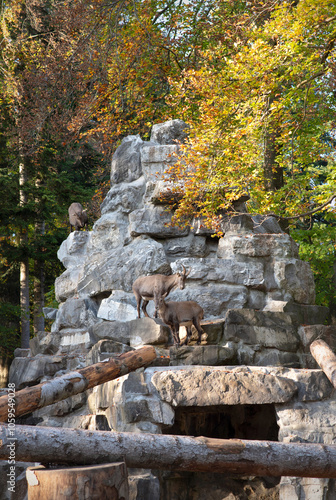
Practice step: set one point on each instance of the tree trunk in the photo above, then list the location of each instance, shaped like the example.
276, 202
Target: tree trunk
39, 283
24, 265
273, 173
332, 306
59, 388
159, 451
38, 296
325, 358
98, 482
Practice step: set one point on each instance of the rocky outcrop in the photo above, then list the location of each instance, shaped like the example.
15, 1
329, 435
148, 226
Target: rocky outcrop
253, 267
252, 375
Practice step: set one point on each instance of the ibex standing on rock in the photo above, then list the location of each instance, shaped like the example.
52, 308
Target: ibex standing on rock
176, 314
153, 287
77, 216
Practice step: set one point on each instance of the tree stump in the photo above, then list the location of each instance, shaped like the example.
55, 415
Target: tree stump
95, 482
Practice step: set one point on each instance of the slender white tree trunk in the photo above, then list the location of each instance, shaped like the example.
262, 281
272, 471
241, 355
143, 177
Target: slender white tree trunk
24, 266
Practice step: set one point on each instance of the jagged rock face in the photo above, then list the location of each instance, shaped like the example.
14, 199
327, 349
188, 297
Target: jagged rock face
254, 265
258, 299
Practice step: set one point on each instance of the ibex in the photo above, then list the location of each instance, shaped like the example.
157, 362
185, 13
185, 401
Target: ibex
77, 216
184, 313
146, 288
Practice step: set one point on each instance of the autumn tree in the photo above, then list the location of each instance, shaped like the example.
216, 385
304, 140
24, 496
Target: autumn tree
44, 165
76, 76
260, 107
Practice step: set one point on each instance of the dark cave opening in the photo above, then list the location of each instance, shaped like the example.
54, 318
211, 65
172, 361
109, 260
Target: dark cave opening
227, 422
251, 422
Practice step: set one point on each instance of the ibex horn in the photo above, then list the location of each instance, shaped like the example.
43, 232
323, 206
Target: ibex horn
185, 271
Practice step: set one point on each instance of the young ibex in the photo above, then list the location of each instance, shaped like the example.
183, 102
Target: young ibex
77, 216
153, 287
176, 314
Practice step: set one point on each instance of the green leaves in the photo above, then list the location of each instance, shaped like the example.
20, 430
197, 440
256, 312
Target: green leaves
264, 101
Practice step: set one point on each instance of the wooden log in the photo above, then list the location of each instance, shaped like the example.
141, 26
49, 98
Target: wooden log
167, 452
58, 388
325, 358
100, 482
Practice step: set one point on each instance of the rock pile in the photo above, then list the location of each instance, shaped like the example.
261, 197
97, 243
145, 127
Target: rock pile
257, 295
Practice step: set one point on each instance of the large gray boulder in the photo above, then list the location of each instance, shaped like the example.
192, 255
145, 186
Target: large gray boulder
170, 132
124, 197
126, 165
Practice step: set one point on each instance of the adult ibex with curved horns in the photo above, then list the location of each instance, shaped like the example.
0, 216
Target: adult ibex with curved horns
146, 288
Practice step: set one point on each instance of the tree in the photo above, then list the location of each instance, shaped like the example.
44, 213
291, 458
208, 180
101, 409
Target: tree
38, 96
265, 96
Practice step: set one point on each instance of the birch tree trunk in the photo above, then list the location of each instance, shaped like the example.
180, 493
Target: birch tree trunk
166, 452
24, 265
39, 279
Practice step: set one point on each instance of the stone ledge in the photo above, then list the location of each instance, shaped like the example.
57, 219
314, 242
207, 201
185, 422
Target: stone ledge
213, 355
227, 385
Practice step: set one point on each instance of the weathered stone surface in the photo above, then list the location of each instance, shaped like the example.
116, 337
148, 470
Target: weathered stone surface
110, 231
73, 249
275, 357
117, 270
256, 299
20, 352
73, 339
268, 329
280, 246
66, 284
237, 224
155, 222
312, 385
145, 331
199, 228
189, 246
76, 313
214, 298
149, 409
309, 333
124, 197
155, 160
129, 387
119, 306
313, 422
210, 355
62, 408
45, 343
49, 312
126, 165
265, 224
230, 271
211, 387
137, 332
294, 488
118, 331
295, 277
143, 486
170, 132
214, 330
257, 355
105, 349
29, 371
162, 191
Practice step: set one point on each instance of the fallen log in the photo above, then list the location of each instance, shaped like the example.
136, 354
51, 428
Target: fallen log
325, 358
58, 388
167, 452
